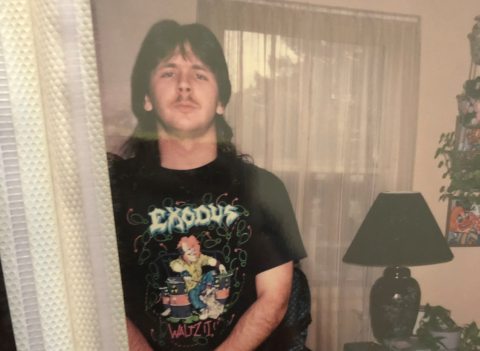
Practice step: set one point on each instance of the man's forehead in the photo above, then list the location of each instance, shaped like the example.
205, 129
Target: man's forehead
183, 54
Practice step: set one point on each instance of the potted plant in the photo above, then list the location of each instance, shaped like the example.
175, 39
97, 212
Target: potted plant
470, 338
463, 169
459, 151
437, 330
459, 157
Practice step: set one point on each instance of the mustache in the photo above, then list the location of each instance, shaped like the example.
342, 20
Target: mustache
181, 98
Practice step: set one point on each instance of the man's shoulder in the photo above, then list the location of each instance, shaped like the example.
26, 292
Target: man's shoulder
114, 159
262, 177
119, 167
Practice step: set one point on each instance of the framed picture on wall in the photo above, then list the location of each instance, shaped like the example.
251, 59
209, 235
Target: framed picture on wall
463, 223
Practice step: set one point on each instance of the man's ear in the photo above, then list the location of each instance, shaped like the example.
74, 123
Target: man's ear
220, 110
147, 104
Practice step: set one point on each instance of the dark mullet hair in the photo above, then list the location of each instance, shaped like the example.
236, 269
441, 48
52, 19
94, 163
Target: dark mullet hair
161, 41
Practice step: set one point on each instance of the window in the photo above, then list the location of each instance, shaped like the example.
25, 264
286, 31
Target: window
326, 98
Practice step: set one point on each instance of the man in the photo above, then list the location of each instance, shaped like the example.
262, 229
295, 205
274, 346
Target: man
185, 179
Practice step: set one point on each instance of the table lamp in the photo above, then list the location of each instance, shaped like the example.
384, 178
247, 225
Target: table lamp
399, 230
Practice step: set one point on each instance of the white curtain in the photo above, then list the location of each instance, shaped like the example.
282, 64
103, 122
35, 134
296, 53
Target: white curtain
326, 98
57, 238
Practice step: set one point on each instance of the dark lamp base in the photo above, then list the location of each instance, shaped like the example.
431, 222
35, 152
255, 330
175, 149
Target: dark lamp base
394, 304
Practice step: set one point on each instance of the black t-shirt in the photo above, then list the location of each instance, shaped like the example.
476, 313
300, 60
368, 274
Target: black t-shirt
191, 242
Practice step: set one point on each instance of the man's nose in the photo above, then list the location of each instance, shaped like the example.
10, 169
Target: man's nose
184, 84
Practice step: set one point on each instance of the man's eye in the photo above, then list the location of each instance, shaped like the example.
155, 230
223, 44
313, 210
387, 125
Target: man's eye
201, 76
167, 74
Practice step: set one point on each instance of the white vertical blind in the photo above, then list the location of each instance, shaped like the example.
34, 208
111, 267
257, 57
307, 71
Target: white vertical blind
14, 239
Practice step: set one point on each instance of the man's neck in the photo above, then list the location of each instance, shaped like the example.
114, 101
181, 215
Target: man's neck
184, 154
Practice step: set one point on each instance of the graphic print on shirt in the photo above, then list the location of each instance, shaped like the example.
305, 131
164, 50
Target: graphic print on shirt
194, 257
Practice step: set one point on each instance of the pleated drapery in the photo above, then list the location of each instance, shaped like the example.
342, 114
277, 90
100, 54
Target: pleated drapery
57, 238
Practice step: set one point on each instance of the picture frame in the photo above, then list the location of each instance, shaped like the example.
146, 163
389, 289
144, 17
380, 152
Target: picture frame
463, 223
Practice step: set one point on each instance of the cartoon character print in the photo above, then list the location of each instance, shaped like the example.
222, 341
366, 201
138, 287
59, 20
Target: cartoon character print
194, 255
200, 287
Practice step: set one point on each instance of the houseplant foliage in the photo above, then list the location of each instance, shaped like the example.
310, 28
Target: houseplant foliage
470, 338
435, 322
459, 151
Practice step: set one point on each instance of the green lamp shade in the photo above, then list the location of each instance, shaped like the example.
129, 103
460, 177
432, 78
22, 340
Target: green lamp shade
399, 230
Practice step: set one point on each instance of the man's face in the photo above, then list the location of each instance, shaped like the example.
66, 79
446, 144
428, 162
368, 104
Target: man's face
183, 92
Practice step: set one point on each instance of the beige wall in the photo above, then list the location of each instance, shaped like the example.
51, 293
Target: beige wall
445, 62
120, 26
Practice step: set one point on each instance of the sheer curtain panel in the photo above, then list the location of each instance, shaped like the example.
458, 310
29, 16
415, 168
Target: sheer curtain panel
57, 238
326, 98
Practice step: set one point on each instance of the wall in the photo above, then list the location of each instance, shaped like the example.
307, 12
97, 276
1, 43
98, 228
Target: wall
120, 26
445, 62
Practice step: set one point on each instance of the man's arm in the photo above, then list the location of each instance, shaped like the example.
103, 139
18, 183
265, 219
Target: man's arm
136, 340
273, 291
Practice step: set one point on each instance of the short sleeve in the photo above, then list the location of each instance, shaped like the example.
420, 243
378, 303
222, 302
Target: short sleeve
278, 240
